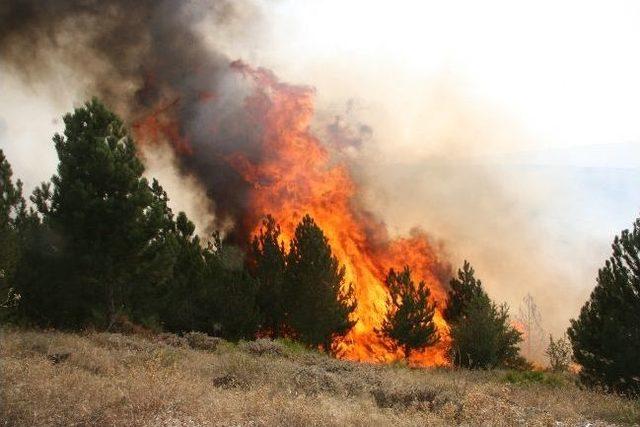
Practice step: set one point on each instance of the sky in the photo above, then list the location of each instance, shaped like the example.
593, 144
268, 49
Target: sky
510, 130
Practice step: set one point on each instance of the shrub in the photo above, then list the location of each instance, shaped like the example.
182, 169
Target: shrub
172, 340
263, 346
483, 337
201, 341
533, 377
124, 325
294, 347
226, 381
312, 380
480, 329
414, 397
559, 354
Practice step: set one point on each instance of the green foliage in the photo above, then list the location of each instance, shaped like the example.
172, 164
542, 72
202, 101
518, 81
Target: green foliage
318, 302
104, 245
12, 216
559, 354
235, 304
480, 330
98, 222
208, 289
606, 335
181, 299
529, 377
267, 263
464, 289
409, 319
47, 298
293, 347
12, 204
483, 338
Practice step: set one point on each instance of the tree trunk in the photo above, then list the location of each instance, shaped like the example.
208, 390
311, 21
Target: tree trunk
111, 306
327, 346
407, 351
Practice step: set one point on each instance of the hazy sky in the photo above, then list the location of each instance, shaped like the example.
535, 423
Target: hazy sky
508, 129
566, 71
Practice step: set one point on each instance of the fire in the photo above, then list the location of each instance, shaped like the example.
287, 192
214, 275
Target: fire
295, 175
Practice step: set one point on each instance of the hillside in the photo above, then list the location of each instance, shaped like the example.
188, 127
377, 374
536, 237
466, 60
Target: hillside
55, 378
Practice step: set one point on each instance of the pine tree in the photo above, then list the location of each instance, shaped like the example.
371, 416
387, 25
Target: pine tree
181, 297
39, 273
464, 289
12, 214
409, 319
319, 304
267, 262
102, 217
231, 293
12, 204
482, 336
606, 335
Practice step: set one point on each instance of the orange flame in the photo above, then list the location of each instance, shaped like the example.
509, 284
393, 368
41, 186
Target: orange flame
296, 176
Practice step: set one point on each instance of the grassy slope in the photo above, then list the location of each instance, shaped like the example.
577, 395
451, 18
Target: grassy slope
112, 379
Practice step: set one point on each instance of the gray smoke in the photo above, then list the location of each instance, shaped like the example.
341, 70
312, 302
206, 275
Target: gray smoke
139, 57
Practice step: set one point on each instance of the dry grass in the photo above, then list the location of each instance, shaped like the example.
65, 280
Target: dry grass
54, 378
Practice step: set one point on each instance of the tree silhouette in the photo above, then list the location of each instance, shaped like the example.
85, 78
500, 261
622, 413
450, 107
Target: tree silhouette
267, 260
464, 289
100, 216
12, 214
409, 319
606, 335
482, 336
318, 301
533, 334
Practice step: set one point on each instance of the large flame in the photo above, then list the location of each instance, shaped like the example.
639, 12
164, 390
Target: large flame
295, 175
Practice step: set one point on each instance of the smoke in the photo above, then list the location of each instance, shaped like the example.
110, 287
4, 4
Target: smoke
127, 52
430, 162
146, 60
418, 149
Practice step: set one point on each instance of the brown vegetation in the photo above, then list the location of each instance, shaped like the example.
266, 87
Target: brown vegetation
55, 378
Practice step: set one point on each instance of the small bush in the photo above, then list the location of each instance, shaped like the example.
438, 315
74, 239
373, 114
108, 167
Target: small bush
294, 347
124, 325
226, 381
166, 357
481, 331
263, 346
313, 380
533, 377
559, 354
33, 344
420, 398
118, 341
335, 365
202, 341
56, 358
172, 340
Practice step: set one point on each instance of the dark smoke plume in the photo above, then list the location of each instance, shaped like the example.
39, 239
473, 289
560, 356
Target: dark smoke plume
145, 58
